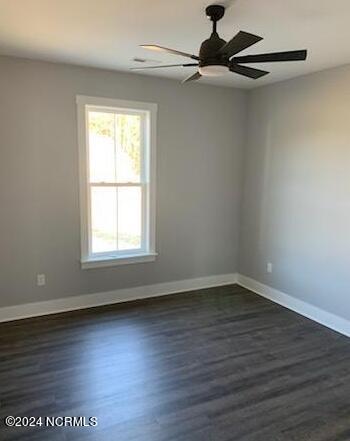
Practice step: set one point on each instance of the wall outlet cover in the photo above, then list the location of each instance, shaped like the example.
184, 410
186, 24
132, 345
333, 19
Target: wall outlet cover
40, 279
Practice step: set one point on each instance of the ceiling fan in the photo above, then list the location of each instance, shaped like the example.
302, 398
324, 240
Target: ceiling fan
216, 56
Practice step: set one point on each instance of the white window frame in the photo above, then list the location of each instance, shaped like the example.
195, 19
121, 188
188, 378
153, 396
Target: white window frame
147, 253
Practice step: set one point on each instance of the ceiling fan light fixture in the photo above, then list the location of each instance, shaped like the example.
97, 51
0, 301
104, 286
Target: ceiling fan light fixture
213, 70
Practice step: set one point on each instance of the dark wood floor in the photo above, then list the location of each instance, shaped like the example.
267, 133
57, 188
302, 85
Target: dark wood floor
218, 364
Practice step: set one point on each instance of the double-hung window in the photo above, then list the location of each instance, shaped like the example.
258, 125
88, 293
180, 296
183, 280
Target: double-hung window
117, 181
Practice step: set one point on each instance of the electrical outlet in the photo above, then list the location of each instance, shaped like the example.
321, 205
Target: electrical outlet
269, 267
40, 279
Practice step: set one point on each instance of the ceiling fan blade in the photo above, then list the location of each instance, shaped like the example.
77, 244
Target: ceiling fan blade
155, 47
276, 56
248, 71
165, 65
192, 77
238, 43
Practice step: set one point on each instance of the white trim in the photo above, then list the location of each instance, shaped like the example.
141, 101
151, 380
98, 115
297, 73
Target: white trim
115, 261
148, 111
312, 312
116, 103
325, 318
117, 296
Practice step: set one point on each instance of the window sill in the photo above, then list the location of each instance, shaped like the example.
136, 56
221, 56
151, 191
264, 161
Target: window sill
115, 261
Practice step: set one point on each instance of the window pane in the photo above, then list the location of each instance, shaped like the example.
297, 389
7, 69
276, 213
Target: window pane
128, 141
101, 147
104, 219
129, 218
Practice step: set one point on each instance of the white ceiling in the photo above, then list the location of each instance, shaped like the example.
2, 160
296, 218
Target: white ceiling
107, 33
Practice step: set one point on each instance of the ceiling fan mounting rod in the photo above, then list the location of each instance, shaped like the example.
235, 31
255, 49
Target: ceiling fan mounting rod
215, 13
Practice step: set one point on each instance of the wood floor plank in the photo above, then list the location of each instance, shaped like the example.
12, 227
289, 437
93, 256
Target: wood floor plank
218, 364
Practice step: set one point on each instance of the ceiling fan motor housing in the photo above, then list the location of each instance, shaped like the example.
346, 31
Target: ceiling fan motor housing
209, 52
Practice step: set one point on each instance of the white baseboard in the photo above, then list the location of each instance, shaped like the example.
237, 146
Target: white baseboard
321, 316
27, 310
106, 298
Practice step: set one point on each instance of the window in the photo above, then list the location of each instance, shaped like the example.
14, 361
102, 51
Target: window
117, 177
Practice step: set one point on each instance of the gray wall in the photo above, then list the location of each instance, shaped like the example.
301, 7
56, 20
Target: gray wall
296, 196
294, 207
200, 138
